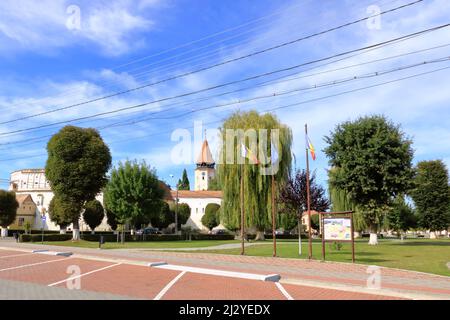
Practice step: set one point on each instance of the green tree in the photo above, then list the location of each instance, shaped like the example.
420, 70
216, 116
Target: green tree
76, 168
211, 218
244, 128
184, 212
93, 214
59, 213
373, 158
431, 195
287, 221
133, 193
163, 218
214, 185
341, 201
111, 219
27, 226
402, 217
8, 210
183, 183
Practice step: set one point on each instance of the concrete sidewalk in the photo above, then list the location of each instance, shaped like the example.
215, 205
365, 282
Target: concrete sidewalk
329, 275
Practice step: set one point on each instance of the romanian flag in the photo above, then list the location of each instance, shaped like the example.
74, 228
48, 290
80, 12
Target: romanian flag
247, 153
310, 147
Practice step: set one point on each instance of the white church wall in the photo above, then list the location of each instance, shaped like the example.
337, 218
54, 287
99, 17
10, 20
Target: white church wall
198, 206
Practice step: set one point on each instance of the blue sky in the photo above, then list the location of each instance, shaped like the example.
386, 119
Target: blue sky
119, 45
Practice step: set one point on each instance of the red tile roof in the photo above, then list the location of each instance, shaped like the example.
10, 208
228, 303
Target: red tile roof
196, 194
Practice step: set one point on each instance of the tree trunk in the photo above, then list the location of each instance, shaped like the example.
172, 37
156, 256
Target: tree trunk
259, 236
92, 232
373, 240
4, 232
76, 231
433, 235
62, 230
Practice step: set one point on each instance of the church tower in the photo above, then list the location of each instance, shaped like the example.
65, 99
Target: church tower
205, 170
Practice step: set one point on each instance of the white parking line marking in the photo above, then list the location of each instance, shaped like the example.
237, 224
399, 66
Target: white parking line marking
283, 291
32, 264
16, 255
82, 275
168, 286
222, 273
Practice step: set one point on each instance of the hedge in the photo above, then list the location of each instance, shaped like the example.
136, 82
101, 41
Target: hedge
47, 237
279, 236
200, 236
158, 237
128, 237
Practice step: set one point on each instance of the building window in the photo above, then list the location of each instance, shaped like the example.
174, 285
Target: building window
203, 210
40, 200
196, 210
21, 222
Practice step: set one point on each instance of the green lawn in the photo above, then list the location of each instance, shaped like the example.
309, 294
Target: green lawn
423, 255
143, 245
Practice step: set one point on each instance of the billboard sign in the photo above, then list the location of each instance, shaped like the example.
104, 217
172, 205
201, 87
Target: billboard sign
337, 229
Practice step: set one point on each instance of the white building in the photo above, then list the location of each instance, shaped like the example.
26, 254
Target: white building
200, 197
34, 183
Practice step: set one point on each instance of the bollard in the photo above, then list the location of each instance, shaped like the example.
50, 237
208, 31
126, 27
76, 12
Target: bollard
101, 241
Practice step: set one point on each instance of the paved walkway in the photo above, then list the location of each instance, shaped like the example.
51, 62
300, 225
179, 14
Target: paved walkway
321, 275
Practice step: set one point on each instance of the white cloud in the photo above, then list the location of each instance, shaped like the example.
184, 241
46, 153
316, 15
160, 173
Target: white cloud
41, 26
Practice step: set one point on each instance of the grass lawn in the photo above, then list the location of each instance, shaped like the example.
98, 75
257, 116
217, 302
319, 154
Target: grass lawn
424, 255
143, 245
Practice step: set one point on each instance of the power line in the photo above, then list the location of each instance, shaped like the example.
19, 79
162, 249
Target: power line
277, 80
272, 82
113, 84
230, 83
300, 103
316, 86
30, 141
215, 65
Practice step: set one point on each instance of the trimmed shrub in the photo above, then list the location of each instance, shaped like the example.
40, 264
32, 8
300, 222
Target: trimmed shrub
211, 217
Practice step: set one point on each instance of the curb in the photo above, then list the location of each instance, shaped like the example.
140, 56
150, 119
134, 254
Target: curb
53, 253
221, 273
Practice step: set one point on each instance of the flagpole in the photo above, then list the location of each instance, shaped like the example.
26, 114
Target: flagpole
242, 209
308, 199
273, 218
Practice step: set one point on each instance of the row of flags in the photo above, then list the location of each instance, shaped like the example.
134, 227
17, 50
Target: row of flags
248, 154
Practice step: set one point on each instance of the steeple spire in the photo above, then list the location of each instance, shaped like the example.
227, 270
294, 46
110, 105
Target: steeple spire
205, 158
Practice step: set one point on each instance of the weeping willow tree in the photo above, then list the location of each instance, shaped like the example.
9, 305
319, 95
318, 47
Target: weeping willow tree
341, 201
258, 133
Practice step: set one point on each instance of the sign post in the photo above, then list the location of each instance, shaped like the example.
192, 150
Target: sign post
337, 227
